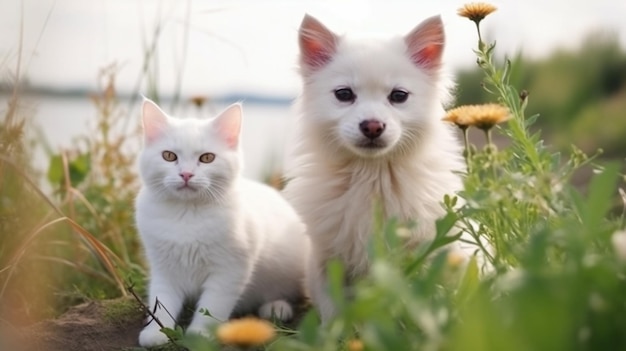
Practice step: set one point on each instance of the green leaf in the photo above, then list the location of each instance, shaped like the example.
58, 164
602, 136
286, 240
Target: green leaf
535, 256
193, 341
470, 282
531, 120
173, 334
490, 48
435, 271
55, 170
505, 74
578, 202
79, 168
205, 312
336, 281
556, 160
445, 224
599, 199
309, 327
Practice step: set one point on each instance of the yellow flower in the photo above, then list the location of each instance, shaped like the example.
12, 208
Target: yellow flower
245, 332
459, 116
480, 116
355, 345
476, 11
488, 115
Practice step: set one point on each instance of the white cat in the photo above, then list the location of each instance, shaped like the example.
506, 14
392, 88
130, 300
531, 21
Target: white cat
232, 244
369, 128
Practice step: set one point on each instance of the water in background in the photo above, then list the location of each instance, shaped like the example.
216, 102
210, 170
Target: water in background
59, 121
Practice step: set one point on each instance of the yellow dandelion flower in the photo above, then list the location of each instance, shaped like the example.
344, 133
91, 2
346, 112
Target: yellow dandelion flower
459, 116
480, 116
476, 11
488, 115
245, 332
355, 345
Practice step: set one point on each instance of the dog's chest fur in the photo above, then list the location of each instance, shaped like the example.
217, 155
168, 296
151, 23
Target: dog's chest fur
338, 201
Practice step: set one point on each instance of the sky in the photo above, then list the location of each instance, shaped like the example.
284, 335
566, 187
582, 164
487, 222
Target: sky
219, 46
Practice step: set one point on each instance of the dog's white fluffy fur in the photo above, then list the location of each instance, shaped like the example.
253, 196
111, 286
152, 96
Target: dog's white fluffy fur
338, 171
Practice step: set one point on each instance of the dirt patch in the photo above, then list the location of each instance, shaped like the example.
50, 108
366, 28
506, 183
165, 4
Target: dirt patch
107, 325
92, 326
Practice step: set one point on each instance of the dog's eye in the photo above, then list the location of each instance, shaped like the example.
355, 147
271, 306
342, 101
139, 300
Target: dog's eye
398, 96
345, 95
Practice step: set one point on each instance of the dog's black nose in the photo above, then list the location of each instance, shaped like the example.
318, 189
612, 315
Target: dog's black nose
372, 128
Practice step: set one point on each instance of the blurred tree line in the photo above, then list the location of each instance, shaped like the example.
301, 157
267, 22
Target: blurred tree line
580, 95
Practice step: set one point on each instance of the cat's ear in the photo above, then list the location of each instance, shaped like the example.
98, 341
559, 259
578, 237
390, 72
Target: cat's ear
154, 120
425, 43
229, 125
317, 44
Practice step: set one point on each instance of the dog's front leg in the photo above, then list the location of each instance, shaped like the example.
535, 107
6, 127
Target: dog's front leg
317, 282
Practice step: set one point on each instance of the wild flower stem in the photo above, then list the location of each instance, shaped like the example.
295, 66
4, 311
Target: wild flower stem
467, 153
499, 80
481, 45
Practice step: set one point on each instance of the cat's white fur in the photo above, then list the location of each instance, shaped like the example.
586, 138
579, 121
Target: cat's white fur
334, 180
233, 244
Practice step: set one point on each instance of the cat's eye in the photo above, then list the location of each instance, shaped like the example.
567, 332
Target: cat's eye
169, 156
345, 95
207, 157
398, 96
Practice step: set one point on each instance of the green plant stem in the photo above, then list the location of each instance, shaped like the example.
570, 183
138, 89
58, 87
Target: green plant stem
499, 80
467, 153
480, 39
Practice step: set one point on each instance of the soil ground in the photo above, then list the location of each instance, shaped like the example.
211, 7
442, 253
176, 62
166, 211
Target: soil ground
106, 325
91, 326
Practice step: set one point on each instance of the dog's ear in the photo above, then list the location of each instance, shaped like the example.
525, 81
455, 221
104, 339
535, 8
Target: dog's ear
317, 44
425, 43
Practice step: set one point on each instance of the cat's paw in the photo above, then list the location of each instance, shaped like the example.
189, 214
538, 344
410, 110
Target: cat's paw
151, 336
279, 309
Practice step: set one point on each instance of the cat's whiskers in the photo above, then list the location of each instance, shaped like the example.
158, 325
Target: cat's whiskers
157, 186
216, 191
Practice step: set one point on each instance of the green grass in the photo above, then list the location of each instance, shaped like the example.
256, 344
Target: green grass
120, 311
78, 243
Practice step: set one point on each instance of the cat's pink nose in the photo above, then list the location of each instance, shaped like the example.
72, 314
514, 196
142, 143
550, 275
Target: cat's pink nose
186, 176
372, 128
